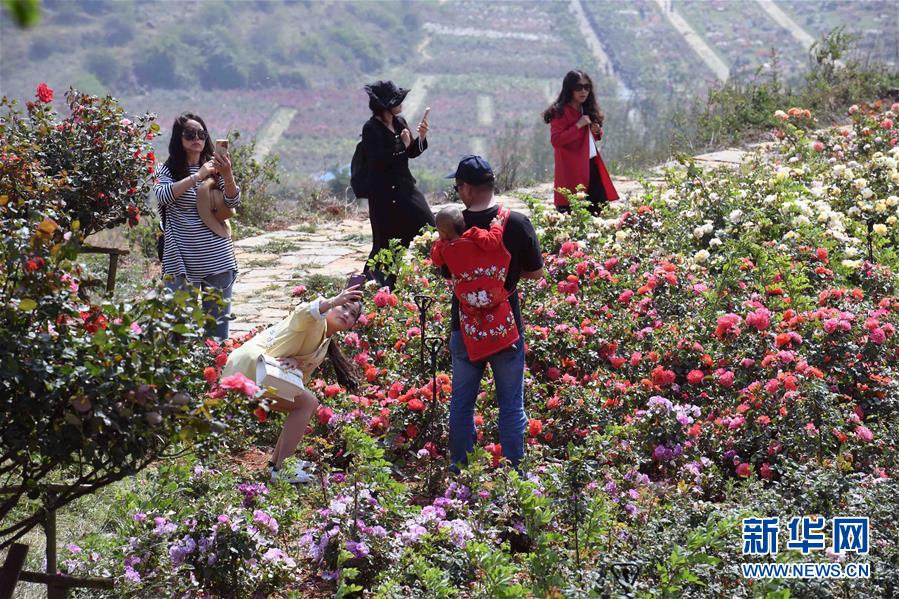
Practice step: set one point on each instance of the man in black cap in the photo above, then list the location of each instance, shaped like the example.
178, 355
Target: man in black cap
474, 184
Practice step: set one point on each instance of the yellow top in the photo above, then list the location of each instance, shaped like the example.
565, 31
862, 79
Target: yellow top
300, 336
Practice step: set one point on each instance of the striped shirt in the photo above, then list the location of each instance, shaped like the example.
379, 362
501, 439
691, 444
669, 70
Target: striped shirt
191, 248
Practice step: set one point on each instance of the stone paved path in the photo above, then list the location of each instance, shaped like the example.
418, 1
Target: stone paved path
273, 263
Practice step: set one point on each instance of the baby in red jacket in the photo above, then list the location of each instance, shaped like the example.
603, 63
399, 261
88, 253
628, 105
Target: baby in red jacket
451, 226
478, 262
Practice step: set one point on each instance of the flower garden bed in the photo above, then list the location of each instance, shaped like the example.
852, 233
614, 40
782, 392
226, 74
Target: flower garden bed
723, 347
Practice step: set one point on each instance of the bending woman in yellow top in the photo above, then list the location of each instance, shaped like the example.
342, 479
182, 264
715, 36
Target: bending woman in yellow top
301, 341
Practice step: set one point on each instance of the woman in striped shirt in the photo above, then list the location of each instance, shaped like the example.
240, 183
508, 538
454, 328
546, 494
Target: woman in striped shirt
193, 254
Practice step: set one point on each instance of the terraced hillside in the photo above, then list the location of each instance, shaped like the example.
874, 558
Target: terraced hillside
487, 69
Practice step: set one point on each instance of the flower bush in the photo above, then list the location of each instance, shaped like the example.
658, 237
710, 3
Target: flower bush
92, 390
94, 166
717, 348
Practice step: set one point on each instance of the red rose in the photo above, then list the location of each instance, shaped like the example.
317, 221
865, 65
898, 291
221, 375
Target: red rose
324, 415
535, 427
662, 377
553, 373
332, 390
44, 93
261, 414
221, 359
210, 374
416, 405
694, 377
744, 470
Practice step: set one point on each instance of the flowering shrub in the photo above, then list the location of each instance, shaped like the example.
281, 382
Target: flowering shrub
91, 391
93, 167
230, 546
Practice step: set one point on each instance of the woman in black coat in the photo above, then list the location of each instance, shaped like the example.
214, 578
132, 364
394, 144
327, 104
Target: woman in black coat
397, 209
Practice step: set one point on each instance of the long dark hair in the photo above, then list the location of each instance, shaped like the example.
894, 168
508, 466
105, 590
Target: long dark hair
346, 372
177, 161
591, 107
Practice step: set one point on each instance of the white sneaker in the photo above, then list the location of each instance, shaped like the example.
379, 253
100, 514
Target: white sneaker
293, 474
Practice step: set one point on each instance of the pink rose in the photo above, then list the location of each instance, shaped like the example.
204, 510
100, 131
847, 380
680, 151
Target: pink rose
239, 382
726, 379
864, 433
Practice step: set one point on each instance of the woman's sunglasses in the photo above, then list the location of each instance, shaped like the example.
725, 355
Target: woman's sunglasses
582, 87
192, 134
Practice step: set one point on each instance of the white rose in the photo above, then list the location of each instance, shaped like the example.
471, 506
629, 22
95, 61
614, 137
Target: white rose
701, 256
851, 263
880, 229
736, 216
620, 236
715, 242
698, 232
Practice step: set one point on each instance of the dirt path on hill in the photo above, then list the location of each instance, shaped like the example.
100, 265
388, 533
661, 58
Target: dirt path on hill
272, 130
781, 18
705, 52
603, 62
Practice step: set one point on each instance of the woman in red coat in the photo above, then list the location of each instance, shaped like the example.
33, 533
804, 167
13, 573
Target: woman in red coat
575, 126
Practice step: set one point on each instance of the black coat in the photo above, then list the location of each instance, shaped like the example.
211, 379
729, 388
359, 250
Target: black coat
396, 208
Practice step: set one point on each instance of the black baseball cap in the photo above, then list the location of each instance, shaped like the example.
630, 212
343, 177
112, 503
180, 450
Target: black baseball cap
473, 169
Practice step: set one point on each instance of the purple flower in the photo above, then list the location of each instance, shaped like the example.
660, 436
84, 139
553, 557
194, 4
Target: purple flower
73, 548
276, 555
163, 526
251, 491
661, 404
442, 502
358, 549
265, 520
459, 531
139, 517
132, 575
338, 477
414, 532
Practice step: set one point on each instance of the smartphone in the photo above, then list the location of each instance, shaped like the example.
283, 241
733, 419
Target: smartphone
221, 145
356, 280
425, 116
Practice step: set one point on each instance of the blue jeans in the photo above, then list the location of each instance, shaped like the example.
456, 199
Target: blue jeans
222, 282
508, 375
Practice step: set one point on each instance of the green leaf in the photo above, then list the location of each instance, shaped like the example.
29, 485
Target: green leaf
27, 305
26, 13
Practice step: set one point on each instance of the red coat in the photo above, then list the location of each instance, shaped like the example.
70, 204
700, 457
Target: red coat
571, 148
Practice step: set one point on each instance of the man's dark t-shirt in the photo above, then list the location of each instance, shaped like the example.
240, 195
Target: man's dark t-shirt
521, 240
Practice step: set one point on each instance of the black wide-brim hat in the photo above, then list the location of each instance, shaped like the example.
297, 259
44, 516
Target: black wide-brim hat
386, 94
